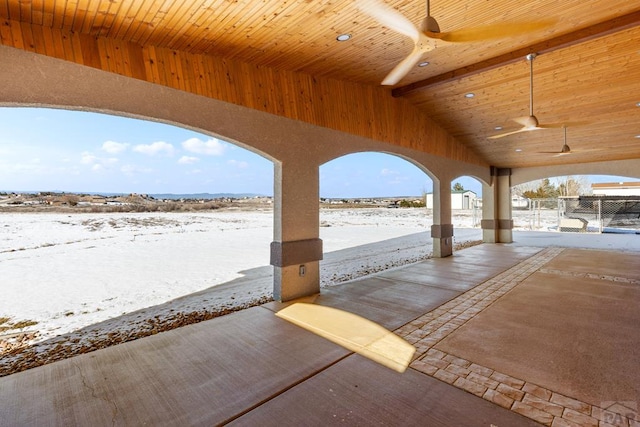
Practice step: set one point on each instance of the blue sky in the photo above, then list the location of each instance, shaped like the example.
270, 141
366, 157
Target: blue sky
58, 150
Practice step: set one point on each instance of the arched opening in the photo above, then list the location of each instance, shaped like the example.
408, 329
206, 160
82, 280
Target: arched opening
374, 215
359, 193
104, 215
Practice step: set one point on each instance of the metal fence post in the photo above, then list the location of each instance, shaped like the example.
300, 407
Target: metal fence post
600, 221
560, 208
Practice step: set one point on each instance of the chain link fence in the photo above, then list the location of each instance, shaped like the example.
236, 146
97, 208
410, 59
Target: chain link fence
537, 214
578, 215
603, 214
586, 214
476, 212
527, 214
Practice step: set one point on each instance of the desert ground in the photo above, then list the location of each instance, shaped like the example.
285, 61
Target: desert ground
73, 282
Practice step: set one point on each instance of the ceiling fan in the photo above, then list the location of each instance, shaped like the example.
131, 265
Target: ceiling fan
427, 35
528, 123
565, 150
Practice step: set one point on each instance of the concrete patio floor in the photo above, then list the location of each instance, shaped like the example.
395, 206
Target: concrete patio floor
471, 367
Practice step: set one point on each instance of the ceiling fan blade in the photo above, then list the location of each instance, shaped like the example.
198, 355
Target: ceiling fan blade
403, 68
563, 124
389, 17
555, 153
502, 135
489, 32
581, 151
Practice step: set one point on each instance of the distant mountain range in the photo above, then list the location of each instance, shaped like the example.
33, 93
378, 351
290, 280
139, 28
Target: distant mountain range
155, 196
200, 196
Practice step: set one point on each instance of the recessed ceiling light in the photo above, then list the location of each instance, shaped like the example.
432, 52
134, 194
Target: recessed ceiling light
343, 37
423, 64
518, 150
638, 136
469, 95
637, 104
498, 128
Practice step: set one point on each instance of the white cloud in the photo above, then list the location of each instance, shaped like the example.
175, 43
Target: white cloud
154, 148
87, 158
212, 147
238, 164
113, 147
97, 163
388, 172
188, 160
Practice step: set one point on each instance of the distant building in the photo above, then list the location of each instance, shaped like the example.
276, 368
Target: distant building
616, 189
460, 199
519, 202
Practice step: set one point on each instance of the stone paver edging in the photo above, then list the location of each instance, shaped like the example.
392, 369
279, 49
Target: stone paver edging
538, 403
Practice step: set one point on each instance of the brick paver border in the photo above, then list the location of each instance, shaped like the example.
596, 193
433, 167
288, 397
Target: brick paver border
538, 403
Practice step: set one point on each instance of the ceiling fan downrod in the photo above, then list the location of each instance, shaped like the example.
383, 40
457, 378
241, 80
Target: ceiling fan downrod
530, 57
429, 23
565, 147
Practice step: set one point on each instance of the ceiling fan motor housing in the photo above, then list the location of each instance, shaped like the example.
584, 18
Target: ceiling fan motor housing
430, 24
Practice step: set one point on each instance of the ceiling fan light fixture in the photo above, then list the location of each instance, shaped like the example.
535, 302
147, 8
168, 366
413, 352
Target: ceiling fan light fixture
343, 37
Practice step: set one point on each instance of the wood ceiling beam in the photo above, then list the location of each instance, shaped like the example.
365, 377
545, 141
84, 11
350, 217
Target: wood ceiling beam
560, 42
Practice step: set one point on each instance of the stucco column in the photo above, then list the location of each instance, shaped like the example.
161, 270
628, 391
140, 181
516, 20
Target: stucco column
497, 222
489, 222
297, 249
442, 229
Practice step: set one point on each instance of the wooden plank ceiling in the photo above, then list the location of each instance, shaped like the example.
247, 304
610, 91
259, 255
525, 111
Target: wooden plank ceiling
592, 84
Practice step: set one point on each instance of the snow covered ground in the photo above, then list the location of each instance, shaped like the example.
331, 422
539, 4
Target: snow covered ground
67, 271
96, 274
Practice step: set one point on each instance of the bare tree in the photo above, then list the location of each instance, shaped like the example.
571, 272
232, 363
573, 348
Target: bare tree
573, 185
560, 186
